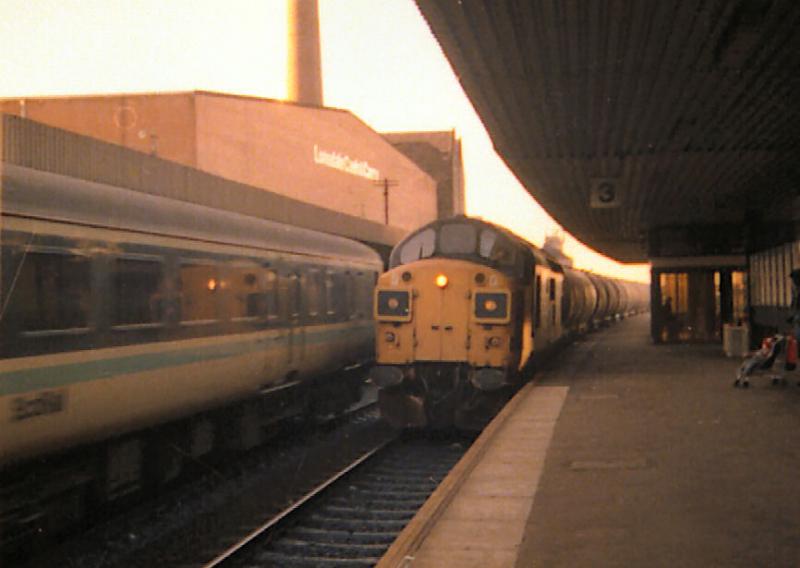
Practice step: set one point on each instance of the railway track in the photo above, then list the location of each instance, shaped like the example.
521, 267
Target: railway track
352, 518
189, 523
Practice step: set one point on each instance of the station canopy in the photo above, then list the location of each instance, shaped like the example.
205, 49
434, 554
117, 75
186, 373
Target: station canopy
626, 118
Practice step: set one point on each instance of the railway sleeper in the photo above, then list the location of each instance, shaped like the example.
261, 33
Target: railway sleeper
341, 536
286, 561
326, 549
355, 525
368, 512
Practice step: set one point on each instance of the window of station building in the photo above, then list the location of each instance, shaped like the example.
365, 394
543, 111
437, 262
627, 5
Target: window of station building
674, 287
739, 292
137, 291
551, 289
419, 246
199, 287
52, 292
458, 239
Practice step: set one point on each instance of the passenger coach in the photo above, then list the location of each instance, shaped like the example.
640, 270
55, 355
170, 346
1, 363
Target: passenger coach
123, 311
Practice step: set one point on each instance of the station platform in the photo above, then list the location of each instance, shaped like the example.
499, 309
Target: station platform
623, 453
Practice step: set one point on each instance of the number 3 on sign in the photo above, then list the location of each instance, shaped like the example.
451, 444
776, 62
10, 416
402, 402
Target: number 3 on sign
604, 193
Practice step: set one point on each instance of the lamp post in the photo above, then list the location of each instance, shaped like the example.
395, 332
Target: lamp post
386, 183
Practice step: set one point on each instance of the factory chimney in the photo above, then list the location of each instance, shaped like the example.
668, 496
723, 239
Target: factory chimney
305, 68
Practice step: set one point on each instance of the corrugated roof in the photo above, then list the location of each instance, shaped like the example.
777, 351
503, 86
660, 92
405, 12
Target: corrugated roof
688, 109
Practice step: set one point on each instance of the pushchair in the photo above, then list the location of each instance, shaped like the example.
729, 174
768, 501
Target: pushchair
778, 353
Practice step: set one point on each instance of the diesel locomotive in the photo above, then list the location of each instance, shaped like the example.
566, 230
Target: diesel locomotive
464, 308
148, 332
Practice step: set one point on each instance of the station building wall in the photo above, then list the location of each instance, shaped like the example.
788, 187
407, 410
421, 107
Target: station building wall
324, 156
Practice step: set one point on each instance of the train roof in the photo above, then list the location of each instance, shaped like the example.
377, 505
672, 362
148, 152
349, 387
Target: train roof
523, 247
43, 195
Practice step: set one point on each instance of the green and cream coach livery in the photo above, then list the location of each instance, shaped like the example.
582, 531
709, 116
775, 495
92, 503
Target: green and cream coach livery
122, 311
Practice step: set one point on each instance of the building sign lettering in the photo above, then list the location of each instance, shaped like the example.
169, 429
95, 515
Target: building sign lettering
345, 164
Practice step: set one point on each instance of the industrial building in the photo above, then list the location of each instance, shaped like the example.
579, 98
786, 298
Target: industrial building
323, 156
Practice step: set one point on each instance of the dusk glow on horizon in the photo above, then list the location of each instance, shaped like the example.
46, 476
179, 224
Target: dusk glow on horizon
379, 61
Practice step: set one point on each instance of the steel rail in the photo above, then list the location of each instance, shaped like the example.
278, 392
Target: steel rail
254, 534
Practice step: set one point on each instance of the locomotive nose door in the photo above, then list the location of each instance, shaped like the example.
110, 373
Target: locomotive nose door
443, 313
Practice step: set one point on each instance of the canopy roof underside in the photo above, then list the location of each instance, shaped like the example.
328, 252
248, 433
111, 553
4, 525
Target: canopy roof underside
623, 116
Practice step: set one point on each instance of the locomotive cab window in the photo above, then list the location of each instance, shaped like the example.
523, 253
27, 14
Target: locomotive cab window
137, 292
457, 239
52, 292
419, 246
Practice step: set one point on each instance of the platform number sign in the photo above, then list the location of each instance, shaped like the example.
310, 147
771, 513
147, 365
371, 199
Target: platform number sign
605, 193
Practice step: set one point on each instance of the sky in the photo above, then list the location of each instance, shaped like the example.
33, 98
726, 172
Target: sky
379, 60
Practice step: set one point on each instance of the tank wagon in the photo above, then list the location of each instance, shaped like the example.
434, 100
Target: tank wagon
465, 307
123, 311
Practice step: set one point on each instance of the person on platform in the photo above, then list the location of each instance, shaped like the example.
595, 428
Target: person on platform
794, 318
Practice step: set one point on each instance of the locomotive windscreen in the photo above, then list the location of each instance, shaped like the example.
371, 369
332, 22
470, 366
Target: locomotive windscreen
461, 240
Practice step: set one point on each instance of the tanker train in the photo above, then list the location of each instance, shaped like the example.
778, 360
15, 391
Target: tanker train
464, 308
148, 332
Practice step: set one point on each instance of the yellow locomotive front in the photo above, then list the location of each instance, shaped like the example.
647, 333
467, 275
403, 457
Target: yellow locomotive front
449, 336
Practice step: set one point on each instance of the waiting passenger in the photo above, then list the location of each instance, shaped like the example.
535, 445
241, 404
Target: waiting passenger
794, 318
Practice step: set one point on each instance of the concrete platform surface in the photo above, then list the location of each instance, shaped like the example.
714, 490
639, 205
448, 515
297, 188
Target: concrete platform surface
628, 454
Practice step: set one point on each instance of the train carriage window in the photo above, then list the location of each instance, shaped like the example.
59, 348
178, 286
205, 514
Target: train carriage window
52, 292
270, 296
313, 285
199, 286
457, 239
336, 294
137, 288
245, 297
349, 294
419, 246
293, 288
363, 286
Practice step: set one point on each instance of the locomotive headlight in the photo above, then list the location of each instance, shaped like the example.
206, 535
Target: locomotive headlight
492, 307
211, 284
493, 341
441, 280
390, 337
393, 305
